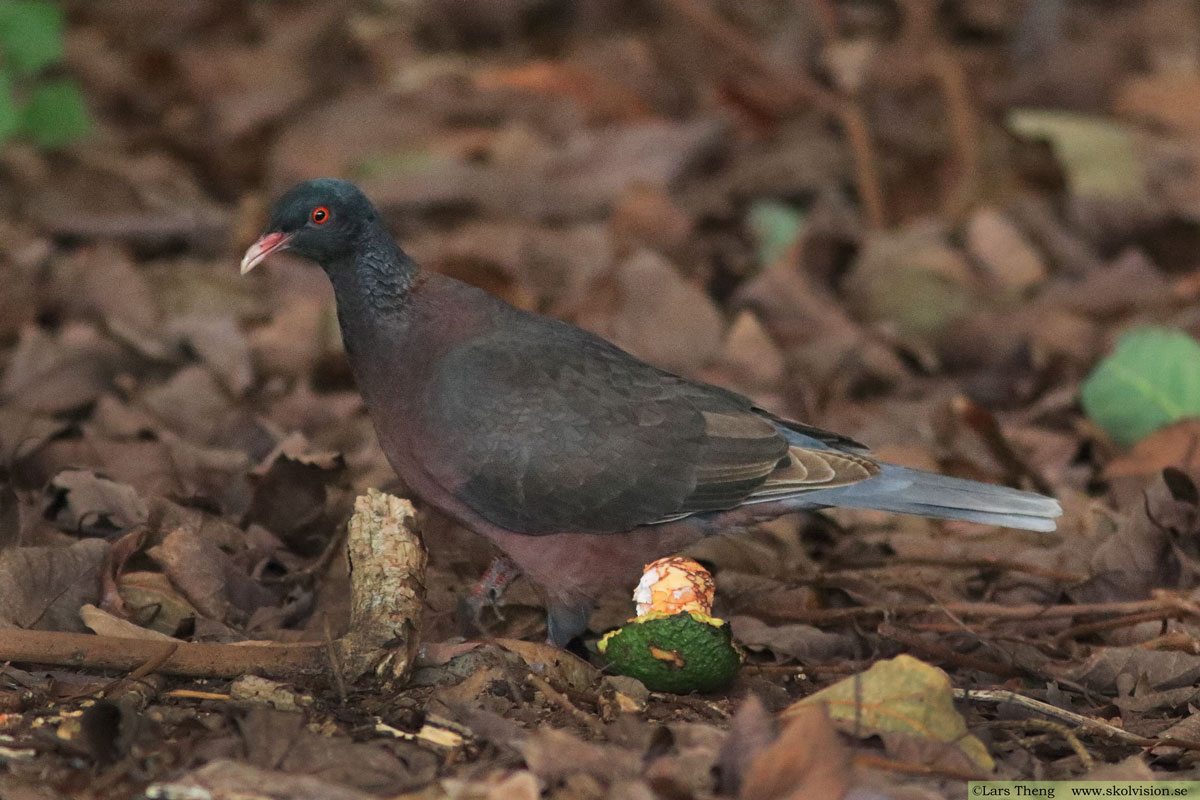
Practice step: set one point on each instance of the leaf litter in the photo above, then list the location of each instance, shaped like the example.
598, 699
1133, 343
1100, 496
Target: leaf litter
180, 448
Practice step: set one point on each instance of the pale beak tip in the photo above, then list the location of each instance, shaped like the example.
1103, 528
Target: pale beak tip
268, 243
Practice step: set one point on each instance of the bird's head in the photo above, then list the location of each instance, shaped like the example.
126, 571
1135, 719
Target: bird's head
321, 220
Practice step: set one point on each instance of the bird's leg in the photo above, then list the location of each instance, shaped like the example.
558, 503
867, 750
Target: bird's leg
564, 623
490, 588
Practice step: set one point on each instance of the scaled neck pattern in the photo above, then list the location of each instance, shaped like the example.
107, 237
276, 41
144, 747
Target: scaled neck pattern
373, 289
377, 281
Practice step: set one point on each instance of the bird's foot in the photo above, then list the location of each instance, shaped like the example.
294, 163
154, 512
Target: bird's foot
490, 588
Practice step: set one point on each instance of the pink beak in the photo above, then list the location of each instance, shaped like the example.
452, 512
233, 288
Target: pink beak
268, 243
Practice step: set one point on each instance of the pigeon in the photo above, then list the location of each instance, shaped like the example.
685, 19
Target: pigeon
579, 461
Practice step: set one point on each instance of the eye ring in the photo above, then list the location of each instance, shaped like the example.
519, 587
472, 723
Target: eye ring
320, 215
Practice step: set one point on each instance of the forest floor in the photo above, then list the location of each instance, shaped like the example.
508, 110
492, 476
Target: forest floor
919, 224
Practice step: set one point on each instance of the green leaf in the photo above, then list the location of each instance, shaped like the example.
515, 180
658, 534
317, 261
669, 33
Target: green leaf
775, 227
55, 114
1150, 380
31, 34
10, 112
1100, 156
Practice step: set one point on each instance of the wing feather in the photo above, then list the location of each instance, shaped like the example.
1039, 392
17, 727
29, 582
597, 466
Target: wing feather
563, 432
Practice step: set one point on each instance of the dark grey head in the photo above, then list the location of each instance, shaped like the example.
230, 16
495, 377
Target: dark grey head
321, 219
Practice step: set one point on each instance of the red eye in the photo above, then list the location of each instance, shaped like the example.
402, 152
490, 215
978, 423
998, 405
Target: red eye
320, 215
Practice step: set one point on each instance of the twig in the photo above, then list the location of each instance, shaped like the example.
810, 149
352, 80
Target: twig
151, 665
335, 662
562, 701
909, 768
203, 660
333, 547
137, 226
983, 422
983, 562
786, 670
1176, 601
797, 88
946, 655
1087, 724
713, 27
941, 66
964, 130
1046, 725
946, 627
387, 586
1175, 640
194, 694
1117, 622
866, 164
706, 707
1030, 611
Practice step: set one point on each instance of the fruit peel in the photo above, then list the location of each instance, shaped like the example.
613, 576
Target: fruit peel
678, 653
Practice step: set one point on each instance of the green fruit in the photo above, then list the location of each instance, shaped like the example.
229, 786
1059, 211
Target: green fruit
680, 653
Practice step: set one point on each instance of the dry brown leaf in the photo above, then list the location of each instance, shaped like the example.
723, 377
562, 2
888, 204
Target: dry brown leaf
43, 587
1003, 250
227, 779
222, 347
23, 433
1129, 283
553, 663
751, 731
106, 624
84, 500
1171, 100
750, 356
290, 493
1177, 445
382, 128
117, 419
291, 342
1135, 557
1107, 667
192, 403
245, 87
807, 762
812, 326
552, 754
1186, 729
646, 215
804, 643
52, 373
436, 654
584, 176
209, 577
660, 316
154, 603
521, 785
687, 769
102, 282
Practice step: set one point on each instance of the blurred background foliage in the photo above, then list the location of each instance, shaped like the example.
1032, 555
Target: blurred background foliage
35, 104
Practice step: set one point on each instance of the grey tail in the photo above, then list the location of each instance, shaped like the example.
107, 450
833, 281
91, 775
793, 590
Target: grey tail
909, 491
